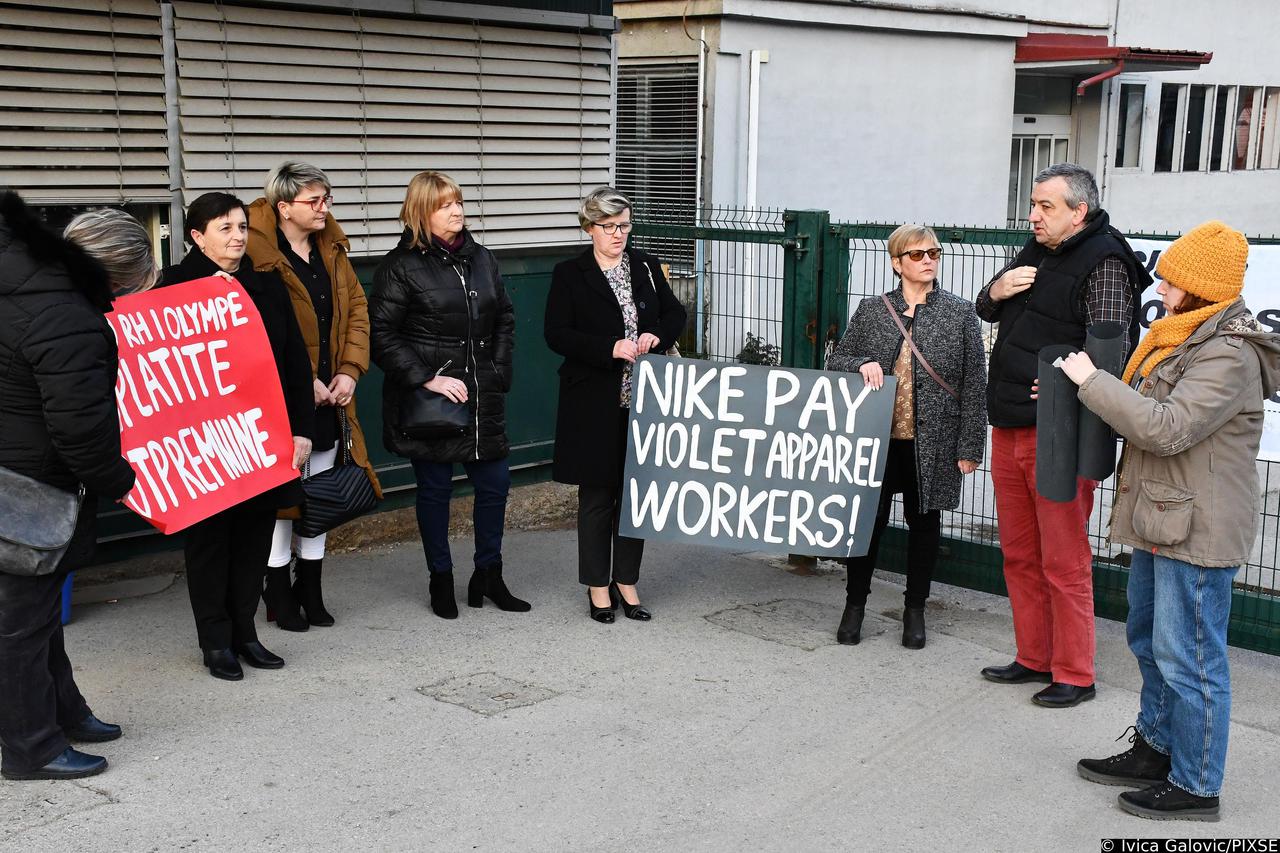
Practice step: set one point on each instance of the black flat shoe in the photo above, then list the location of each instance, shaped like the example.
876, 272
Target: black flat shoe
603, 615
69, 764
92, 730
1015, 673
631, 611
258, 657
1059, 695
222, 664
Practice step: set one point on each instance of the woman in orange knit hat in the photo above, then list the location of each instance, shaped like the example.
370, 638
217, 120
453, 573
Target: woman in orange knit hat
1190, 409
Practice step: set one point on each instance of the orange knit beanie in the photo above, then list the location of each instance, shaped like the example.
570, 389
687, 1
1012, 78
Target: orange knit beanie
1207, 261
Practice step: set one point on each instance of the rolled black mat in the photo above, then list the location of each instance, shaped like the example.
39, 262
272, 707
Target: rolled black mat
1096, 443
1057, 419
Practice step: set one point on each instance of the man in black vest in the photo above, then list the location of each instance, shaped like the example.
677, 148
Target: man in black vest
1076, 271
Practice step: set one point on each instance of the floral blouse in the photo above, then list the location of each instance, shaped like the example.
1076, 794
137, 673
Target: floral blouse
619, 279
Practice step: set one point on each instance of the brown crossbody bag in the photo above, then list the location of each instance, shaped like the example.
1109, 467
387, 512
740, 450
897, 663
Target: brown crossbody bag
906, 336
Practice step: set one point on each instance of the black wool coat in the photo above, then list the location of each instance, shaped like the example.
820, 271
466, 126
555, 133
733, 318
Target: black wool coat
271, 297
433, 311
946, 330
58, 361
583, 322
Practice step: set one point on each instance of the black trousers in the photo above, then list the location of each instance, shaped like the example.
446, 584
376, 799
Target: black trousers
38, 694
924, 530
226, 562
603, 555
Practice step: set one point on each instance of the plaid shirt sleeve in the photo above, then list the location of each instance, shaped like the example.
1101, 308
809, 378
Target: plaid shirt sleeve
987, 308
1107, 296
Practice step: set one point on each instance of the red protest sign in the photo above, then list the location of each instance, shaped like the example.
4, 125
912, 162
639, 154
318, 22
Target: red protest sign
202, 416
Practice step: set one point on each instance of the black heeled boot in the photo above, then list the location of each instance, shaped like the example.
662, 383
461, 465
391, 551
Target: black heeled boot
487, 582
443, 604
306, 587
849, 633
282, 607
913, 627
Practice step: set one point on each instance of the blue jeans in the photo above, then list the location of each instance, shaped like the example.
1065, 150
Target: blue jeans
1177, 630
491, 480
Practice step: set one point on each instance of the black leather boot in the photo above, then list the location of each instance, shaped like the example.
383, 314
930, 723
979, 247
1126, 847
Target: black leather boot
307, 589
443, 604
850, 631
487, 582
282, 607
913, 627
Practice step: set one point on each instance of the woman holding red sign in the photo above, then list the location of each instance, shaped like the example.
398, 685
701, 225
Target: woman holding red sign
226, 554
443, 330
293, 234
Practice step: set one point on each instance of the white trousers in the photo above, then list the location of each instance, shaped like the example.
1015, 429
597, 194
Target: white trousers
283, 543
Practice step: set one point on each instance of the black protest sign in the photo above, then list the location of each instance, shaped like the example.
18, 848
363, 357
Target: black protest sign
767, 458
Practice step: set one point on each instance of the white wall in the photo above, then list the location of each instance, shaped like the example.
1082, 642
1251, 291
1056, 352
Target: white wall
869, 124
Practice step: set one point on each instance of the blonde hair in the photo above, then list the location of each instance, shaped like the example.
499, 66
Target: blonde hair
427, 192
118, 242
291, 177
905, 235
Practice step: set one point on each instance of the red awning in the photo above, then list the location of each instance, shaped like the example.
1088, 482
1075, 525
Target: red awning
1063, 50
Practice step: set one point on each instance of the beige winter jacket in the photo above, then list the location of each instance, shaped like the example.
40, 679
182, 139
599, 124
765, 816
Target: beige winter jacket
1187, 485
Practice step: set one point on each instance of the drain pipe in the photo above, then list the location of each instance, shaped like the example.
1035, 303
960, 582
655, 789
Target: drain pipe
1114, 70
176, 207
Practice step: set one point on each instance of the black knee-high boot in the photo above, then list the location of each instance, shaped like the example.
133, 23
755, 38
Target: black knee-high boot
307, 588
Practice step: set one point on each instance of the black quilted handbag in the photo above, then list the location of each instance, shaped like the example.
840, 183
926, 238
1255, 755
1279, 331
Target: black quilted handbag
336, 496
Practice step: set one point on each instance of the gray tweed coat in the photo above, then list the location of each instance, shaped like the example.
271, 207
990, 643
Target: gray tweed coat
946, 330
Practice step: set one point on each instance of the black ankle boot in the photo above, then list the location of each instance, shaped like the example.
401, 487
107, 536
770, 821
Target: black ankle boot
443, 604
850, 631
307, 590
913, 627
282, 607
487, 582
1139, 766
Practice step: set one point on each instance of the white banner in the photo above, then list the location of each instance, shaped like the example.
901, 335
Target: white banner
1261, 294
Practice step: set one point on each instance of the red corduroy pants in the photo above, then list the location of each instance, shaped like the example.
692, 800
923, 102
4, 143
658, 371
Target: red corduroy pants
1048, 564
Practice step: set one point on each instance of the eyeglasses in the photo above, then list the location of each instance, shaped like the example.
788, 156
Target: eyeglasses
317, 202
918, 254
612, 228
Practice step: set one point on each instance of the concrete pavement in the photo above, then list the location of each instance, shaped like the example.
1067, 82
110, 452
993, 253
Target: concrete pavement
732, 721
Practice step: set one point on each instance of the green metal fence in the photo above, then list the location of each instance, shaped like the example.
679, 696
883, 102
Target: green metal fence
796, 305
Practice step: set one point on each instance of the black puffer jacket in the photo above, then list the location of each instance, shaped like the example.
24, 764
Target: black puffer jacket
58, 360
432, 311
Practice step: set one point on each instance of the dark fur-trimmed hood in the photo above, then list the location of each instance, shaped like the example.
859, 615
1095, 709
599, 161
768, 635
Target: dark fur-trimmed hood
47, 247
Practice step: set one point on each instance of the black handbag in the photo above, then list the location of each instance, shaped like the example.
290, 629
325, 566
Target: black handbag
336, 496
427, 415
37, 522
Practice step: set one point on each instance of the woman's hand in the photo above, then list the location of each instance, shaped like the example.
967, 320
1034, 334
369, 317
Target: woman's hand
342, 389
646, 343
967, 466
872, 374
321, 393
625, 350
1078, 367
454, 389
301, 450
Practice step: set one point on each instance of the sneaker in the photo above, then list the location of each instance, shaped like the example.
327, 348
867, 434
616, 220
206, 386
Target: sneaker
1167, 801
1140, 765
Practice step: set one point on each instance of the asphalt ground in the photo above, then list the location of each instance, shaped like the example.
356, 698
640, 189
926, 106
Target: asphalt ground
732, 721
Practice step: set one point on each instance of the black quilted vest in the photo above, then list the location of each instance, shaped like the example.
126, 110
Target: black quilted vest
1049, 312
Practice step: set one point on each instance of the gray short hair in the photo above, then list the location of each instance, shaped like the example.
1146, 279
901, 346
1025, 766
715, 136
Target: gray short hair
291, 177
1081, 187
118, 242
601, 204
